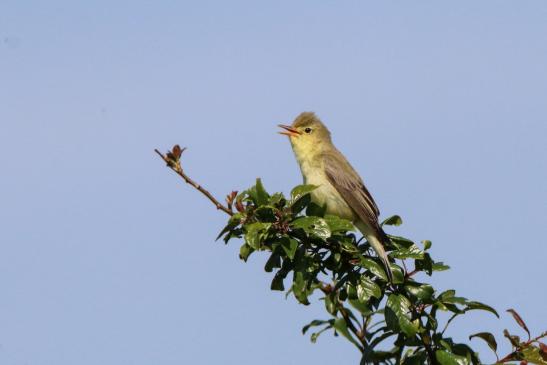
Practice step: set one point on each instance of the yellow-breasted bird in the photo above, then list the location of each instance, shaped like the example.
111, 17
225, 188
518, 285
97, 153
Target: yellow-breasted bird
339, 187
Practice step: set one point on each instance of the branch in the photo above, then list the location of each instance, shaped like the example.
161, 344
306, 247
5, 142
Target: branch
172, 159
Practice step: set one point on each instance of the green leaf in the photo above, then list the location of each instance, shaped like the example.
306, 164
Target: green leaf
439, 266
266, 213
313, 226
233, 222
273, 262
373, 267
337, 224
394, 220
467, 352
363, 308
316, 210
300, 191
262, 197
488, 338
277, 282
425, 264
245, 251
533, 355
330, 304
427, 244
300, 197
447, 294
398, 275
299, 288
417, 358
401, 241
420, 291
367, 289
447, 358
314, 323
399, 306
341, 327
412, 252
255, 233
473, 305
289, 245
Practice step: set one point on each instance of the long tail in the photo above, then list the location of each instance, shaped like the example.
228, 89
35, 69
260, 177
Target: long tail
378, 247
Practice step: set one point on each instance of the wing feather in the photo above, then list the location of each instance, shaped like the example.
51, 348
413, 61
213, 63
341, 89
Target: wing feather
351, 187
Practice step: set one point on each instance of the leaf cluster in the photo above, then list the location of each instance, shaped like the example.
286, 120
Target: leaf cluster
312, 254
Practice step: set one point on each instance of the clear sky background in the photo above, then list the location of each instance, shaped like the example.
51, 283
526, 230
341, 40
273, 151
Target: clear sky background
107, 258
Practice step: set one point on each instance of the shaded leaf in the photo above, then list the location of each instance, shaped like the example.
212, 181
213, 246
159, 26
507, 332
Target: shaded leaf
289, 245
273, 262
427, 244
277, 281
262, 197
314, 323
488, 338
301, 190
233, 222
341, 327
315, 210
394, 220
420, 291
245, 251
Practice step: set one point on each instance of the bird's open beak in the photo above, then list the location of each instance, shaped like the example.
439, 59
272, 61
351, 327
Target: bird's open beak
290, 131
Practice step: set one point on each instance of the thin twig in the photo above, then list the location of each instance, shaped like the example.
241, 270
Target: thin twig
173, 162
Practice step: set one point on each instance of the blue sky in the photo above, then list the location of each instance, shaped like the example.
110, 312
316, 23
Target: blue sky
107, 258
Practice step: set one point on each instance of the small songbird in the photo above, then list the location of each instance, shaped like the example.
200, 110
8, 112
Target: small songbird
339, 187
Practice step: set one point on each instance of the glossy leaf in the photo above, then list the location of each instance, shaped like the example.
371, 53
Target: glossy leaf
367, 289
420, 291
399, 305
255, 234
373, 267
412, 252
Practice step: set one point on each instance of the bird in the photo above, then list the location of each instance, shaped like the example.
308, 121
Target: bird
339, 188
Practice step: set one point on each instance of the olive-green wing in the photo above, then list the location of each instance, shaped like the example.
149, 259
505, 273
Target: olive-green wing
351, 187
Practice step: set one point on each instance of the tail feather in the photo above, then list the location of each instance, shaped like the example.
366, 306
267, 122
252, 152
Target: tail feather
376, 243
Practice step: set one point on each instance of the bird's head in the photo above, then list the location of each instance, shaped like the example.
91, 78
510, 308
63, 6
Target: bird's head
308, 135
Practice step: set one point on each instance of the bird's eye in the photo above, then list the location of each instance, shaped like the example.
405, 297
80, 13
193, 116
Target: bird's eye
307, 130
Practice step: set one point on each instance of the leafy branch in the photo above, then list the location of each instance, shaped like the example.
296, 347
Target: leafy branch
388, 322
